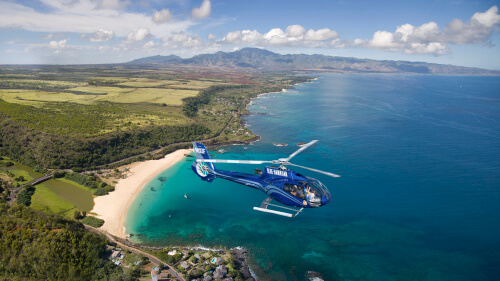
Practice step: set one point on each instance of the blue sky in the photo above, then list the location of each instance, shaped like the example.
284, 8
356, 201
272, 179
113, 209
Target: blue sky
455, 32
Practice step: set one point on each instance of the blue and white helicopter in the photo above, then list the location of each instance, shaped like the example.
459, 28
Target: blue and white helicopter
286, 186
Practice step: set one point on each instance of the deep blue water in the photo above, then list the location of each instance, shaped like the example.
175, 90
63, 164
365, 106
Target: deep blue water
419, 196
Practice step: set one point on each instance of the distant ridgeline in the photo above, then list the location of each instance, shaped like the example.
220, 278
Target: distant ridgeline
259, 59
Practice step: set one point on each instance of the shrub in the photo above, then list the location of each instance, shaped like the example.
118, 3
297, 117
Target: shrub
24, 197
93, 221
100, 192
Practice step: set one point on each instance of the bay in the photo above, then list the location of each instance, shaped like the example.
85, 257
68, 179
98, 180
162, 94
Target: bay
418, 198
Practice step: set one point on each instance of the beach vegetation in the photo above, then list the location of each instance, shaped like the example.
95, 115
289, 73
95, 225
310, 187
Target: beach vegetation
93, 221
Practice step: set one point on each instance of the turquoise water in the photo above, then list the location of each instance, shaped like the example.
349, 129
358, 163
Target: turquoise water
418, 198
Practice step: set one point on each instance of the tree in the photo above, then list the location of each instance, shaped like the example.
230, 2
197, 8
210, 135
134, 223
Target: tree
77, 215
24, 196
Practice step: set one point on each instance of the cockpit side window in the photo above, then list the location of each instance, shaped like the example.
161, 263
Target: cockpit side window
295, 190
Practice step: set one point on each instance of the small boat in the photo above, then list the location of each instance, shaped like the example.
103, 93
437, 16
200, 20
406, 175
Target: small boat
185, 196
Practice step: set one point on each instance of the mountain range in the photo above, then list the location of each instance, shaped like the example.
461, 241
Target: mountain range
260, 59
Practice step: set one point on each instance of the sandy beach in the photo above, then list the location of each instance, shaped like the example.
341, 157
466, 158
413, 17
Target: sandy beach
112, 208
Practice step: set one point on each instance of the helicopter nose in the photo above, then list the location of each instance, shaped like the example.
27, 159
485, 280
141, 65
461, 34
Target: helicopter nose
324, 200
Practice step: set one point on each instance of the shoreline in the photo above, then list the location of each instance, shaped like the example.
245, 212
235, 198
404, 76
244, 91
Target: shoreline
113, 208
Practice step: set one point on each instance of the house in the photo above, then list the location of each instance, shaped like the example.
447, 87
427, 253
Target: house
220, 271
184, 265
172, 253
115, 254
206, 255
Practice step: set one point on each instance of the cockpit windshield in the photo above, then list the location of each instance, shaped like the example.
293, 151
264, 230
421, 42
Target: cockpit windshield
313, 191
318, 188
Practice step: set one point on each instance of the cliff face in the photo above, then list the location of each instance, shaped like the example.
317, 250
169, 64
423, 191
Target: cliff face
259, 59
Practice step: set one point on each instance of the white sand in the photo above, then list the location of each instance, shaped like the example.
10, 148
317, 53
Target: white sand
112, 208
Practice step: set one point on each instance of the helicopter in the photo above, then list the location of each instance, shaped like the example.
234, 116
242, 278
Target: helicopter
293, 190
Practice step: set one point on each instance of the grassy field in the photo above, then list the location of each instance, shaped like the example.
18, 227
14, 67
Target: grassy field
147, 83
48, 201
96, 94
39, 98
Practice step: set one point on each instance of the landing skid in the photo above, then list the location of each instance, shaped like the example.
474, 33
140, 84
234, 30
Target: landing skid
267, 202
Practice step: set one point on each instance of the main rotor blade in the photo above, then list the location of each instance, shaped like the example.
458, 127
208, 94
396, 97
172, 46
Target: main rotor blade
305, 146
314, 170
233, 161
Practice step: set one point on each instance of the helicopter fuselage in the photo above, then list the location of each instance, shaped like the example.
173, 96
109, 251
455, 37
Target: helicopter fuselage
283, 185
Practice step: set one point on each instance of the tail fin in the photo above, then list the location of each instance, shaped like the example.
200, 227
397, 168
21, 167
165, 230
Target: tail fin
203, 169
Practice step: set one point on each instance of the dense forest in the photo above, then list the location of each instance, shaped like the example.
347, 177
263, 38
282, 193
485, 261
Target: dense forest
39, 246
32, 147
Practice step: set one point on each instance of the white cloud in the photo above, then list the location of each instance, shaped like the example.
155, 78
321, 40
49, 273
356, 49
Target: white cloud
138, 35
112, 4
210, 36
295, 31
428, 39
162, 16
383, 40
150, 44
57, 44
320, 35
203, 11
102, 35
477, 30
180, 40
488, 18
295, 35
82, 17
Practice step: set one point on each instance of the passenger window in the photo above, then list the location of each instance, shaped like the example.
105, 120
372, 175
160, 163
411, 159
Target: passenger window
295, 190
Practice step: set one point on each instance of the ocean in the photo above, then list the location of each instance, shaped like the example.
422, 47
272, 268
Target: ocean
419, 196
